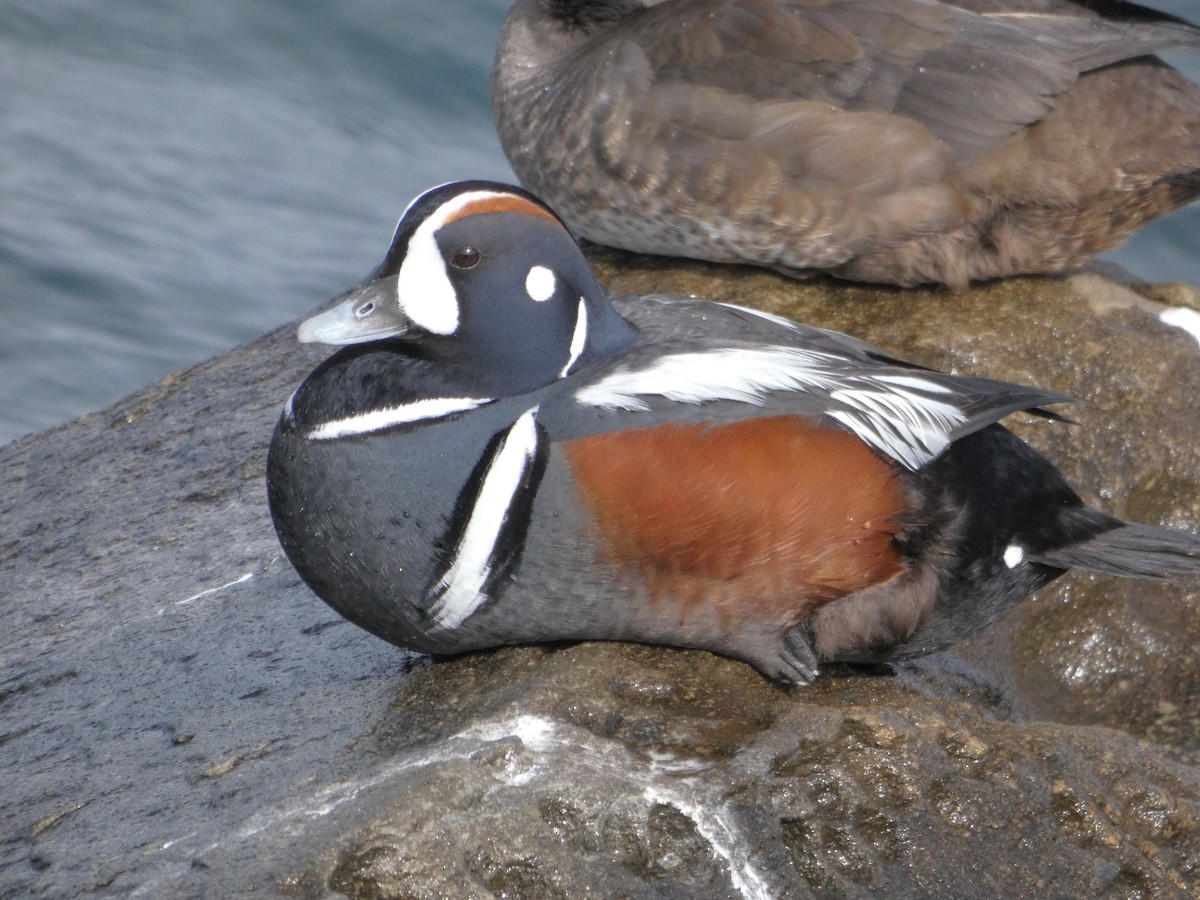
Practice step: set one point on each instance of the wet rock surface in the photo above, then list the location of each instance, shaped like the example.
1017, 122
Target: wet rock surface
179, 716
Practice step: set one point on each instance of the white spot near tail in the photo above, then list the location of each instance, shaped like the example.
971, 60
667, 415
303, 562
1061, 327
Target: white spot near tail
1014, 556
540, 284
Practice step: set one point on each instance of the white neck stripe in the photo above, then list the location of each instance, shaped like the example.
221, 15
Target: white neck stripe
578, 338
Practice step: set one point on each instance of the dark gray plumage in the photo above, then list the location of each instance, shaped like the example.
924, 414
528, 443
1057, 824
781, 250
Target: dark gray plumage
654, 468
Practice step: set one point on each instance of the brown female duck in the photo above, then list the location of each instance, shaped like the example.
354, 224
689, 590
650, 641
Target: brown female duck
894, 141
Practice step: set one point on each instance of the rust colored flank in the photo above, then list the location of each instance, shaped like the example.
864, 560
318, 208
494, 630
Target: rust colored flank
766, 518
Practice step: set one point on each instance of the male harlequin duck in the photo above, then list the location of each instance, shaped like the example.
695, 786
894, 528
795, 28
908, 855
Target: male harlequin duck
894, 141
503, 454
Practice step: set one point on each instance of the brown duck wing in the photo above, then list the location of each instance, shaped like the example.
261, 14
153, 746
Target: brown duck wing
970, 79
923, 61
846, 120
898, 141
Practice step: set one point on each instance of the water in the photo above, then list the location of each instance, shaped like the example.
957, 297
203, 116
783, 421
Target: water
176, 178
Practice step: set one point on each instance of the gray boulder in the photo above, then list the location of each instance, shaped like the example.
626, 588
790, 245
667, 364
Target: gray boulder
179, 716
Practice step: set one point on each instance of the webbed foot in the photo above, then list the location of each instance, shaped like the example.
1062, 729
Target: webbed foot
798, 660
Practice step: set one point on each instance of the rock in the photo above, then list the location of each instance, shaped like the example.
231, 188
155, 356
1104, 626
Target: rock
180, 716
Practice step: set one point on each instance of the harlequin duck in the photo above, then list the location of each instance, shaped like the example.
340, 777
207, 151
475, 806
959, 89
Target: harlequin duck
893, 141
503, 454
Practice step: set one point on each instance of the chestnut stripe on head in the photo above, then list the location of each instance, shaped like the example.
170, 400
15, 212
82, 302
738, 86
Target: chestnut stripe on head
423, 286
480, 202
766, 519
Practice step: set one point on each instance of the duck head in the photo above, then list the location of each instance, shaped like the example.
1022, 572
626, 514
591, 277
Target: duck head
485, 281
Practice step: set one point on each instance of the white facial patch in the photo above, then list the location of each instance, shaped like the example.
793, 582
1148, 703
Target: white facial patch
891, 413
1014, 556
390, 416
460, 590
423, 287
540, 284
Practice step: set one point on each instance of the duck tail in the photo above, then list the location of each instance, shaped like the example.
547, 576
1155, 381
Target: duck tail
1184, 187
1131, 551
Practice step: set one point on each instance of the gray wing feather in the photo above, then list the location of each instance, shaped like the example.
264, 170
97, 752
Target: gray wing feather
700, 361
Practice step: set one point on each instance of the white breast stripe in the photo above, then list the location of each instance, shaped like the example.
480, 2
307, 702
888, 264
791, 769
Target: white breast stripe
892, 412
389, 416
578, 338
460, 589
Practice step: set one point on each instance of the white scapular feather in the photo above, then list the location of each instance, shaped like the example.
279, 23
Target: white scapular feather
891, 412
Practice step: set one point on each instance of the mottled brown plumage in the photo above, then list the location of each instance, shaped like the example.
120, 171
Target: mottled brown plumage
896, 141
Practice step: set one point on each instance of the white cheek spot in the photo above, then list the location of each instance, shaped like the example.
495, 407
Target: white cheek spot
540, 284
1014, 556
423, 287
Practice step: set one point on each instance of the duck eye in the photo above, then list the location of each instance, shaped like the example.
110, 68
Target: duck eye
465, 258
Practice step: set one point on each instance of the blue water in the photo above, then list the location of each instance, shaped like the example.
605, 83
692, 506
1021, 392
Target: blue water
176, 178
